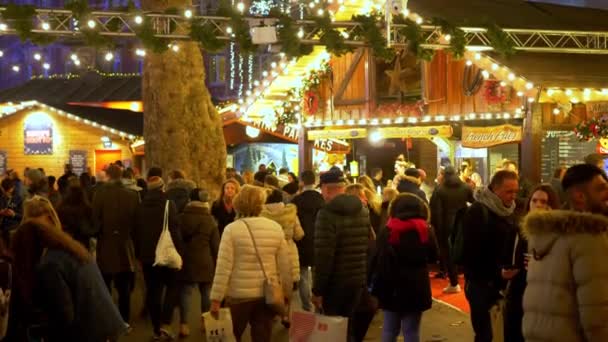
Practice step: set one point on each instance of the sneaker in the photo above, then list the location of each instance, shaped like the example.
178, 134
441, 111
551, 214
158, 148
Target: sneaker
166, 335
452, 289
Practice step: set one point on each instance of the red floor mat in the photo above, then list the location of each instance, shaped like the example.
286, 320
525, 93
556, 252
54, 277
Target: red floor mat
457, 300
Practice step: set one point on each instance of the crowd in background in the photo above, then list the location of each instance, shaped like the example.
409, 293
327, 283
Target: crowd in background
348, 247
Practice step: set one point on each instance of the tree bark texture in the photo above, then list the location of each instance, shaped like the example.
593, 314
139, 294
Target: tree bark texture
182, 128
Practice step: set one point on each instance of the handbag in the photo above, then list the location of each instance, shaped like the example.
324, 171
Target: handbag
273, 290
166, 253
220, 329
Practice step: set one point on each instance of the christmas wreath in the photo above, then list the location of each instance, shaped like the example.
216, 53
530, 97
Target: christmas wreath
311, 102
493, 92
594, 128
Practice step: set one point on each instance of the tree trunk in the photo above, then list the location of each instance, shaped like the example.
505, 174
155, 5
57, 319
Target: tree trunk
182, 128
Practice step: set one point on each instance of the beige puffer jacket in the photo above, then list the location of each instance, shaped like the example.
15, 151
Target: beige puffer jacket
566, 298
238, 273
287, 217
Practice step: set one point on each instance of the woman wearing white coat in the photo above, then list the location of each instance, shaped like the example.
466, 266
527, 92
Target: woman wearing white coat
239, 277
287, 217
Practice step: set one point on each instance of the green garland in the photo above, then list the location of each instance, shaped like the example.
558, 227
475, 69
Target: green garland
21, 18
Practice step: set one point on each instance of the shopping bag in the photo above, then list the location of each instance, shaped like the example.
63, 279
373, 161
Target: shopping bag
497, 319
311, 327
220, 329
166, 254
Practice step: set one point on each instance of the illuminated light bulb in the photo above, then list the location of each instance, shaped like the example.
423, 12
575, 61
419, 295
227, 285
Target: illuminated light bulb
530, 99
550, 92
265, 73
494, 66
587, 92
140, 52
520, 93
1, 53
265, 83
188, 13
529, 85
91, 24
109, 56
469, 62
300, 33
511, 76
16, 68
175, 47
574, 100
503, 83
345, 35
46, 66
255, 83
77, 62
139, 19
311, 5
604, 91
485, 74
37, 56
240, 7
273, 65
229, 30
569, 92
406, 12
555, 111
477, 56
447, 37
3, 27
248, 92
46, 26
320, 12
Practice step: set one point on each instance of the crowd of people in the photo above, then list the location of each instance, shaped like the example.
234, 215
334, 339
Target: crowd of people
342, 246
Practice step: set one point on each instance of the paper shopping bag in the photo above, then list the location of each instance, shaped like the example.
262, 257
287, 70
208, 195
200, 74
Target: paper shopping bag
497, 319
219, 330
311, 327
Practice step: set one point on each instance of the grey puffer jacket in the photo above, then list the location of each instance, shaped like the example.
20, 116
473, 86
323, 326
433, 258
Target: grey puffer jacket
341, 242
566, 298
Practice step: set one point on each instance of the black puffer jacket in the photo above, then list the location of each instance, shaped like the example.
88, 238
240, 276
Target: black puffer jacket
308, 203
341, 241
447, 200
149, 225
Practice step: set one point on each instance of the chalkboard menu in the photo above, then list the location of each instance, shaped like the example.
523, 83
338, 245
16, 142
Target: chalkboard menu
78, 159
562, 148
3, 166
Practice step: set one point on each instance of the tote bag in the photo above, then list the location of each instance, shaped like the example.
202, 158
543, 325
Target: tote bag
220, 329
166, 254
312, 327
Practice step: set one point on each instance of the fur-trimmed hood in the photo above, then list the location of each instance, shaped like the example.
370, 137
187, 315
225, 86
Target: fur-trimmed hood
181, 183
543, 228
285, 215
410, 179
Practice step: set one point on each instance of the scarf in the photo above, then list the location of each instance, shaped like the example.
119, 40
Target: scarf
397, 226
490, 200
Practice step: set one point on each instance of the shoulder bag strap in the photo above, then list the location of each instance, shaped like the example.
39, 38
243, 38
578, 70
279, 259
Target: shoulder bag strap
166, 218
255, 246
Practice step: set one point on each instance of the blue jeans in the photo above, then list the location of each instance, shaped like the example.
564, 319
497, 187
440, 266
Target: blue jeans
184, 305
409, 323
304, 287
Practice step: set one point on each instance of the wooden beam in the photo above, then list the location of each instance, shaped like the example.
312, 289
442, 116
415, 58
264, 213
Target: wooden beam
349, 75
355, 102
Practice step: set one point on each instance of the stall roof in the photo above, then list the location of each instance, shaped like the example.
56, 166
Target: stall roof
90, 87
546, 69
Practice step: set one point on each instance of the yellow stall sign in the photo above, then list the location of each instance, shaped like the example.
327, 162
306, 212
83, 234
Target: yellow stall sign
478, 137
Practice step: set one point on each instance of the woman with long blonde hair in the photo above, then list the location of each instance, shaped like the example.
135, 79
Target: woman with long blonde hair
222, 209
55, 273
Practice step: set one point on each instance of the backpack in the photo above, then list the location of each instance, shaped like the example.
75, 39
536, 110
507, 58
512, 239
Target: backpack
457, 234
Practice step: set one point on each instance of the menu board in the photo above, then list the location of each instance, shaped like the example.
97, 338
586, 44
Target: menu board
562, 148
78, 159
3, 166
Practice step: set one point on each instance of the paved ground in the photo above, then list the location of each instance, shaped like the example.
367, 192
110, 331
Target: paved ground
441, 323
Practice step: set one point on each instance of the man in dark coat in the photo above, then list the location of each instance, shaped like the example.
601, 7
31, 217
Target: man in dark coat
341, 241
201, 244
148, 227
309, 202
114, 208
64, 180
410, 183
487, 227
450, 197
